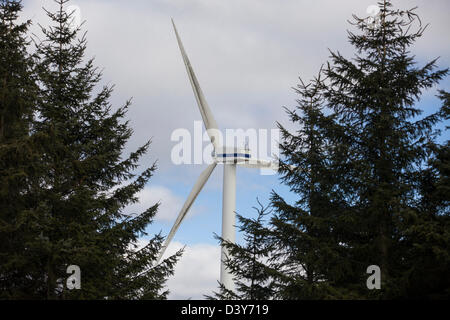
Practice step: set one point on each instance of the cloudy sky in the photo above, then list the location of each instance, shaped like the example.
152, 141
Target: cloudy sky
247, 54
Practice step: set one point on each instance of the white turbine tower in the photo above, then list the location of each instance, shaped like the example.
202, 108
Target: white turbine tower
230, 157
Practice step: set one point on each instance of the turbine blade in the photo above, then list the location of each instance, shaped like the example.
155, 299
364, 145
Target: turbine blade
204, 176
208, 119
259, 164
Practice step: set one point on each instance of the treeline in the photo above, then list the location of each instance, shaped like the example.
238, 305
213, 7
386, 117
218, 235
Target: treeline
63, 179
371, 181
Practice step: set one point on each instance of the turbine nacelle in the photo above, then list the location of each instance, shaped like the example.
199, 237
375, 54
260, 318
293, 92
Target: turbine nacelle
231, 155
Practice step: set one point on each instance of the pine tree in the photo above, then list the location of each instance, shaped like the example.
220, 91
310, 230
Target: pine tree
358, 165
248, 262
17, 151
305, 234
83, 184
374, 100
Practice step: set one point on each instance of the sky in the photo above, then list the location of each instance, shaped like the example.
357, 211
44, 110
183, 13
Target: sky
247, 55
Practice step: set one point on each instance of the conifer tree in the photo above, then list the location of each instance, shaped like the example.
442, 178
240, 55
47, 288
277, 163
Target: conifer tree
17, 152
304, 234
358, 165
83, 183
88, 183
248, 262
374, 99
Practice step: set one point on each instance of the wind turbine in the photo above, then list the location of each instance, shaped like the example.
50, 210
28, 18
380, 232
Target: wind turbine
230, 157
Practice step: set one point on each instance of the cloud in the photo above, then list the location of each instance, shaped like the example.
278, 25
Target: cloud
170, 204
247, 56
196, 273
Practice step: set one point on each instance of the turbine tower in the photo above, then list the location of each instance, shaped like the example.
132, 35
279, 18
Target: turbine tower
230, 157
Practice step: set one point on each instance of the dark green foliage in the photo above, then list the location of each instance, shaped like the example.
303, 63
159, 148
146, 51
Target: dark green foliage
82, 185
309, 233
370, 179
429, 232
17, 153
248, 263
